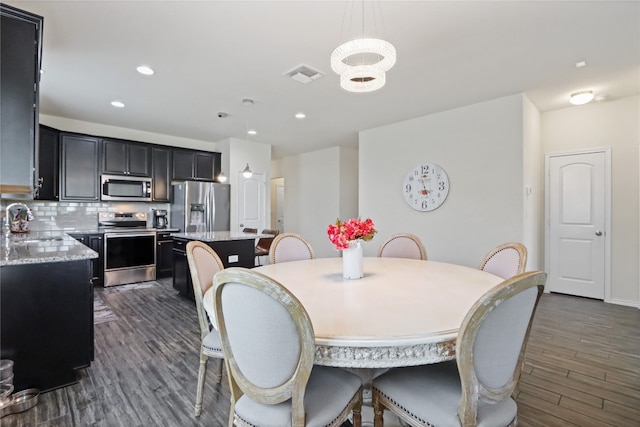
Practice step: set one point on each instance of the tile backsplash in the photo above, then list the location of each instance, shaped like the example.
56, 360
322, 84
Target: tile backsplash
71, 216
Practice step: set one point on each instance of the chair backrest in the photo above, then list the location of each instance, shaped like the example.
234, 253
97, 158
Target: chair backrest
506, 260
204, 262
250, 230
403, 245
290, 247
267, 339
492, 339
264, 243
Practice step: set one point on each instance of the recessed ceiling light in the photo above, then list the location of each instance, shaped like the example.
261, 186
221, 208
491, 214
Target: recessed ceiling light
581, 97
581, 64
117, 104
300, 115
147, 71
252, 132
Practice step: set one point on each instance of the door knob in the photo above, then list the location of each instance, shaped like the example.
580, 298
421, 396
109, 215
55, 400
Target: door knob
598, 233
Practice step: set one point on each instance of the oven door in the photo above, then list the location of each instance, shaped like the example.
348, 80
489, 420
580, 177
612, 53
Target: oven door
129, 257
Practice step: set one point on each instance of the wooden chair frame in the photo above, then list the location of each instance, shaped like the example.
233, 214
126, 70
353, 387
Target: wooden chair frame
471, 389
519, 247
294, 388
276, 241
413, 237
203, 320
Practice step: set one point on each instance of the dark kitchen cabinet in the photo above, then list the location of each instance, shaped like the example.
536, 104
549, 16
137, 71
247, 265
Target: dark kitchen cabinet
96, 242
126, 158
79, 171
181, 274
48, 163
195, 165
20, 55
164, 260
232, 253
161, 173
46, 322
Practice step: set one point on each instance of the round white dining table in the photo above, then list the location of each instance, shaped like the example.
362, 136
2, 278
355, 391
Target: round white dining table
403, 312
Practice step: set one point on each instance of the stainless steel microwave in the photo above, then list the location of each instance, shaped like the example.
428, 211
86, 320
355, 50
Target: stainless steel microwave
125, 188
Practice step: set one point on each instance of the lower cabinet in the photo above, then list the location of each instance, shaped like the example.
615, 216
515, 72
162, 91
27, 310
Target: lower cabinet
232, 253
95, 242
181, 275
46, 322
164, 260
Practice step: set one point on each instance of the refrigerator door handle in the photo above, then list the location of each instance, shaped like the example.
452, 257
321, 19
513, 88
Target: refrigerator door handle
207, 201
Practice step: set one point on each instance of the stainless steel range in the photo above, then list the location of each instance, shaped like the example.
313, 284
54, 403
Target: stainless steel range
129, 247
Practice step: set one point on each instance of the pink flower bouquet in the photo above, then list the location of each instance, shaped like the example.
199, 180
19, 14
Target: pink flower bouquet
343, 232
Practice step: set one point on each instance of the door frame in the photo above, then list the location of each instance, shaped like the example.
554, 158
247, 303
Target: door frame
607, 221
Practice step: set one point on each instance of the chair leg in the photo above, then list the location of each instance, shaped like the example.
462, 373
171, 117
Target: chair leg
201, 374
357, 413
218, 371
378, 410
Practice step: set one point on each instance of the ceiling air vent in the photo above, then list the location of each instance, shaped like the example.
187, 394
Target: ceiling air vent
304, 74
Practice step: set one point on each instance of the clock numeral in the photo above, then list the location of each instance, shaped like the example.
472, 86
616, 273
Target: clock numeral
425, 169
441, 186
425, 204
407, 188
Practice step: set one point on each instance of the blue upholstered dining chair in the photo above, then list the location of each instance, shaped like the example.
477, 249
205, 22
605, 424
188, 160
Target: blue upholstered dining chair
204, 262
505, 260
403, 245
269, 348
476, 388
290, 247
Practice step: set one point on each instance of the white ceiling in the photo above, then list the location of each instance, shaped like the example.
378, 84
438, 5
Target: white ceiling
209, 55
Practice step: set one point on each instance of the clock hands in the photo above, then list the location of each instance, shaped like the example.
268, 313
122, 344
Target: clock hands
424, 191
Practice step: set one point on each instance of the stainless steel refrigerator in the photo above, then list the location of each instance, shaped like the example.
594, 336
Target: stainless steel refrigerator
200, 206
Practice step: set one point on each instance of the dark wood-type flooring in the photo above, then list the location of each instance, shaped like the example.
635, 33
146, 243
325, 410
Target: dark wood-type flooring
582, 368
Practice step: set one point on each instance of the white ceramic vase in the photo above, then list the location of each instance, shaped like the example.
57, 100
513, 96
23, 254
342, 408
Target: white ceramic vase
352, 261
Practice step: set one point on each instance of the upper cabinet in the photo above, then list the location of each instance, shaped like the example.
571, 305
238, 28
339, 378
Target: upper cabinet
49, 164
20, 53
195, 165
126, 158
161, 167
79, 172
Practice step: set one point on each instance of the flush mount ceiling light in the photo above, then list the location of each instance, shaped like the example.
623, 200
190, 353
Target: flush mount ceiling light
117, 104
582, 97
247, 172
300, 115
362, 63
252, 132
143, 69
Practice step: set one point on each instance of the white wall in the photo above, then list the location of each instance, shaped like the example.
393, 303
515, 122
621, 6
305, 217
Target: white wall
614, 124
315, 194
480, 147
236, 153
533, 173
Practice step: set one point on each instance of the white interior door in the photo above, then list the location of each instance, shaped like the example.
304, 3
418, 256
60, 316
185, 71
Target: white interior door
280, 207
251, 201
577, 196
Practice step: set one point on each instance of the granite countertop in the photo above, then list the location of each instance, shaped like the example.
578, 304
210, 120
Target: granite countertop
218, 236
42, 247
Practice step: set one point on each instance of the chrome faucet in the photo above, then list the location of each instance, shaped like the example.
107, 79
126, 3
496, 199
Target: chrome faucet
7, 214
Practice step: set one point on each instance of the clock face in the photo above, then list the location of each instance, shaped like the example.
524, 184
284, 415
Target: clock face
425, 187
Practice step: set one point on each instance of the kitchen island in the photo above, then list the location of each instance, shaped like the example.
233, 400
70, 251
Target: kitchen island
235, 249
46, 308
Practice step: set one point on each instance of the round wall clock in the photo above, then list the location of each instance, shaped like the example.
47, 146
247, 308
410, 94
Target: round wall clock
425, 187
